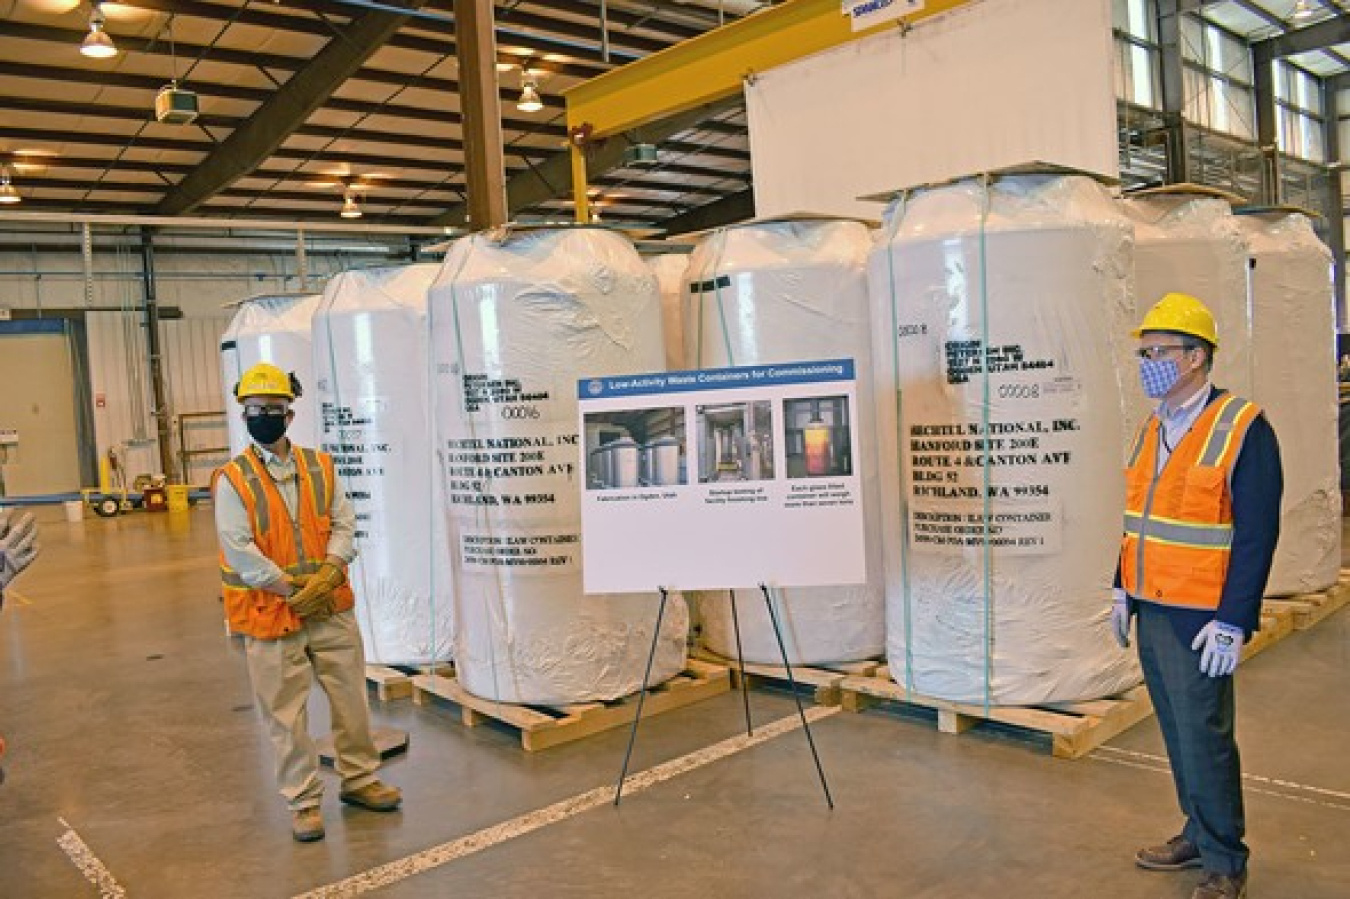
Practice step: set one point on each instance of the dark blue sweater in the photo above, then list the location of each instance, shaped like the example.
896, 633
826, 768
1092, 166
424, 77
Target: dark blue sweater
1257, 488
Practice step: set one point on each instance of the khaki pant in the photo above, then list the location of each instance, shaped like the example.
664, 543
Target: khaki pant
283, 674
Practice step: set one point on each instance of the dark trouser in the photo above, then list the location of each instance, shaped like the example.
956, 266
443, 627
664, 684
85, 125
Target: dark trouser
1195, 712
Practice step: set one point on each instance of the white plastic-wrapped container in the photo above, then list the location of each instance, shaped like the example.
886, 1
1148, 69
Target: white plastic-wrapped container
1001, 312
669, 269
1294, 381
792, 290
517, 317
274, 328
371, 377
1187, 240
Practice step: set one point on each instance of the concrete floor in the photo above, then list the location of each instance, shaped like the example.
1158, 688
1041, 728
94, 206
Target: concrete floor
129, 717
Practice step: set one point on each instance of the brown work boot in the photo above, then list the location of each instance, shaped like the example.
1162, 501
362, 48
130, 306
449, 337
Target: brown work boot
375, 796
1176, 854
307, 824
1221, 886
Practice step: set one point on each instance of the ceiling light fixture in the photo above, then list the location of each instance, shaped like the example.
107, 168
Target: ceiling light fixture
97, 44
351, 208
1303, 11
7, 192
529, 95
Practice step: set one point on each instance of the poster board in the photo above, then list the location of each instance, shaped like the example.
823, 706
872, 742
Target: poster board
719, 478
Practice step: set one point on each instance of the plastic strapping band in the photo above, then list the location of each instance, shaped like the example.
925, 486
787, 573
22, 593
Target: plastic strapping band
484, 511
433, 534
988, 560
721, 309
906, 587
363, 609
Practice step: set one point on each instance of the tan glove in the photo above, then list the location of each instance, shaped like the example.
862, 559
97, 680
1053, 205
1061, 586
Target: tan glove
314, 598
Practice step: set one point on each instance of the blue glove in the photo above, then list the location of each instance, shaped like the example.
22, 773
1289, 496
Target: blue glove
1220, 648
1120, 617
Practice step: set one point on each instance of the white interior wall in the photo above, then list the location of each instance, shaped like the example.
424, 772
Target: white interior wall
991, 84
119, 383
201, 286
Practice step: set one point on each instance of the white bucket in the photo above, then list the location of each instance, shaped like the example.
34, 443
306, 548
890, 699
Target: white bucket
74, 509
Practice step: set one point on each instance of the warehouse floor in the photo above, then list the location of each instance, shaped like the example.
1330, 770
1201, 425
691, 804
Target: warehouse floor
134, 751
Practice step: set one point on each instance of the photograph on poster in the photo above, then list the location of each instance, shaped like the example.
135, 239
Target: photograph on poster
632, 448
735, 442
817, 437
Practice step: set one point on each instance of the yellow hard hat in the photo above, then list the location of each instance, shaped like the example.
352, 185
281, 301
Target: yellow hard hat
265, 379
1181, 313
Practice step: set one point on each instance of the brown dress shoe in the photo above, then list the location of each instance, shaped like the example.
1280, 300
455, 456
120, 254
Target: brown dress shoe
375, 796
1221, 886
1176, 854
307, 824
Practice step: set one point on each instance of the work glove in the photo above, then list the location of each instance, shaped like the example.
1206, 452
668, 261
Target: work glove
1220, 648
314, 599
18, 545
1120, 617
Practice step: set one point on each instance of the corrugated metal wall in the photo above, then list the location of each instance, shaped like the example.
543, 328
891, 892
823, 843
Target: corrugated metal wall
119, 380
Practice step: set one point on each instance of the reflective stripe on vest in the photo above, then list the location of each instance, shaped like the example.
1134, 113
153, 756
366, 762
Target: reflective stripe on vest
1178, 524
256, 612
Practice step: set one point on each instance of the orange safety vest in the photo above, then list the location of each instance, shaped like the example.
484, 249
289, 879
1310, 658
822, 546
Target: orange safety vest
1179, 522
297, 547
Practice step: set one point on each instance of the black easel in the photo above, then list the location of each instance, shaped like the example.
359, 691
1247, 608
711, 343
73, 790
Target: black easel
745, 694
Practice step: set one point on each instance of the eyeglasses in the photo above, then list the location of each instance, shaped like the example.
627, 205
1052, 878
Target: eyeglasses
1153, 352
272, 411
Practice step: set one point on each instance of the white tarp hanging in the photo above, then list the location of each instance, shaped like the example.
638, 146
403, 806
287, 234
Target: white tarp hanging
1000, 315
371, 376
1188, 241
275, 329
669, 269
1294, 381
985, 85
787, 291
517, 317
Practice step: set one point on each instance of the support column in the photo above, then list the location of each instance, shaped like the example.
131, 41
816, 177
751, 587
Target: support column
1335, 201
164, 432
1173, 90
484, 159
1267, 134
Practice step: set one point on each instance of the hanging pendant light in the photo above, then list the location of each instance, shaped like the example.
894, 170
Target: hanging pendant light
8, 194
351, 207
97, 44
529, 97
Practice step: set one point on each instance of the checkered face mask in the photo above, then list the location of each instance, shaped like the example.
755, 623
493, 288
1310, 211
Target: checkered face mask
1158, 376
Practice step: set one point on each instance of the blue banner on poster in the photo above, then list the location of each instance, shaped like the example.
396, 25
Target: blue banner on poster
717, 378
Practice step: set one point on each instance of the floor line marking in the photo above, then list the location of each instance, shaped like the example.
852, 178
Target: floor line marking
1255, 778
436, 856
78, 851
1168, 771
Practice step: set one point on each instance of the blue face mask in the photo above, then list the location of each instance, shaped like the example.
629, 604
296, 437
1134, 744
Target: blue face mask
1158, 376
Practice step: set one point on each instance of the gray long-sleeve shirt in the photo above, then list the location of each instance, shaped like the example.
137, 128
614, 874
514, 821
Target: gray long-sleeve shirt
235, 528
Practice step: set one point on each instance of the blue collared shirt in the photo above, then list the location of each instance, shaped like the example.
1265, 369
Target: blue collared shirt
1176, 422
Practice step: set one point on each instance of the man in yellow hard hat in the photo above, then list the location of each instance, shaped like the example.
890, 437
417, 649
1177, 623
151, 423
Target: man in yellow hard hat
1202, 517
287, 531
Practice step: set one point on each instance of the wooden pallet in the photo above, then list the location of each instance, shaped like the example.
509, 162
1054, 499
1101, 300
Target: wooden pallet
1277, 622
1075, 728
544, 726
1310, 609
390, 682
824, 680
